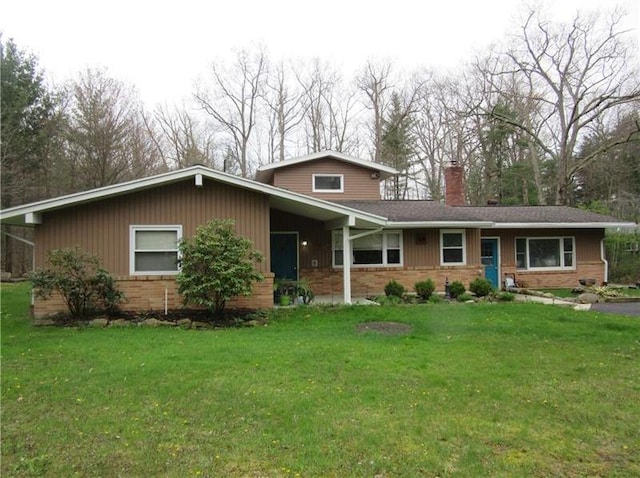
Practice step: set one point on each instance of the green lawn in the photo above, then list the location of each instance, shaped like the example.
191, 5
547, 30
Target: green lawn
474, 390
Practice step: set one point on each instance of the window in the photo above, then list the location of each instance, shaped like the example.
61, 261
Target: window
452, 250
154, 249
328, 183
545, 253
378, 249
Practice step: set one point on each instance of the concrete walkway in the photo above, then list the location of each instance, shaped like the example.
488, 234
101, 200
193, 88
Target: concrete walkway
549, 301
338, 300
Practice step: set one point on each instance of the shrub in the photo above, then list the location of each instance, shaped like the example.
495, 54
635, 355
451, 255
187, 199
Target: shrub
425, 288
505, 296
77, 275
481, 287
435, 299
394, 289
388, 300
464, 297
217, 265
456, 288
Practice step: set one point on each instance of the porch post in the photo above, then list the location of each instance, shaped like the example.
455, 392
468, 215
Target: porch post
346, 264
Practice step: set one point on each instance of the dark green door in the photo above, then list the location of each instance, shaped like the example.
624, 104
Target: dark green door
489, 257
284, 255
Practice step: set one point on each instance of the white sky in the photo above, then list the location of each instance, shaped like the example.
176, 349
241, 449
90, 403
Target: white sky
162, 46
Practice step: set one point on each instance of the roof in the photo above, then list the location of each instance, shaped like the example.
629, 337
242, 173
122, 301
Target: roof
279, 198
431, 214
265, 173
363, 214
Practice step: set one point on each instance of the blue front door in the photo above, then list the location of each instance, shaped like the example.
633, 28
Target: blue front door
284, 255
490, 260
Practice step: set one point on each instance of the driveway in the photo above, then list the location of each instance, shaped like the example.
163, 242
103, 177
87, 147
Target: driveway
624, 308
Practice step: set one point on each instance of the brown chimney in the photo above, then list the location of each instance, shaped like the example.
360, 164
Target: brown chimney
454, 185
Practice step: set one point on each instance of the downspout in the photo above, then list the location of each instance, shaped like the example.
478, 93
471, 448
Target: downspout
33, 256
606, 263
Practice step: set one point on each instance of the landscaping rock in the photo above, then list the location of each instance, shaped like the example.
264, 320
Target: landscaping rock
184, 323
99, 322
200, 325
120, 323
152, 322
158, 323
43, 322
588, 298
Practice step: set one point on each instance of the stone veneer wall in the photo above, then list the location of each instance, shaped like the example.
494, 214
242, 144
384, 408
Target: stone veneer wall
147, 293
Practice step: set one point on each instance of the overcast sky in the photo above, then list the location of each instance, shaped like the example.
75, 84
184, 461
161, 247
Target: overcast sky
162, 46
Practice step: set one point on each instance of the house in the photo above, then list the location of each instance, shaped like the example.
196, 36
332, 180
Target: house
318, 217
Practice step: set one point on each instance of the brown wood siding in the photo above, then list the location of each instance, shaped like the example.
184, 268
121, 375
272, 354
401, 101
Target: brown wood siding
588, 259
317, 236
422, 247
102, 227
358, 183
587, 242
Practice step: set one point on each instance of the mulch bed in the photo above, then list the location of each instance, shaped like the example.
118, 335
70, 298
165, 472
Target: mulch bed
231, 318
385, 328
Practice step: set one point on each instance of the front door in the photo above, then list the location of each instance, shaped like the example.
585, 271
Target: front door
490, 260
284, 255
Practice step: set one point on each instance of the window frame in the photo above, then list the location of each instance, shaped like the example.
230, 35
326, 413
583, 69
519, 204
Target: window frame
561, 251
133, 229
463, 232
327, 175
385, 249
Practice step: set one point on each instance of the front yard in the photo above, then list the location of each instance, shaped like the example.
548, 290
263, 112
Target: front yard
457, 390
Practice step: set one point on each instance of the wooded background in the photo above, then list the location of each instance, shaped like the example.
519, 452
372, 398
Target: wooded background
550, 116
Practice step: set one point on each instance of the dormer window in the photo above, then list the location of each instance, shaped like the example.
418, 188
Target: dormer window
328, 183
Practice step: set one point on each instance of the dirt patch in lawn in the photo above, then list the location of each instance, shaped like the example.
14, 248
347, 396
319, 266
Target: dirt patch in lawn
386, 328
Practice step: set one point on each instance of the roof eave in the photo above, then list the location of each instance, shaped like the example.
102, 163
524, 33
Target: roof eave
438, 224
562, 225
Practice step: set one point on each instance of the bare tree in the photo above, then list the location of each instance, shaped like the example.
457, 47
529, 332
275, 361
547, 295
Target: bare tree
107, 141
180, 138
233, 101
287, 109
580, 73
375, 82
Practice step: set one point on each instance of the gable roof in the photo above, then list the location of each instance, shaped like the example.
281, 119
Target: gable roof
265, 173
279, 198
431, 214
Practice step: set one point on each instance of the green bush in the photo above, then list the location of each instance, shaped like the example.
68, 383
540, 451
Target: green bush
389, 300
217, 265
505, 296
481, 287
464, 297
83, 284
425, 288
435, 299
456, 288
394, 289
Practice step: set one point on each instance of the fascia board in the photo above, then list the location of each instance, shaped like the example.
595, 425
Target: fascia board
562, 225
438, 224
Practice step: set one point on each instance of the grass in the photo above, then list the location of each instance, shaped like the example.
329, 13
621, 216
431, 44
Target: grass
474, 390
567, 292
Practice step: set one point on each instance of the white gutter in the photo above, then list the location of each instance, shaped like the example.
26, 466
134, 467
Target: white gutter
560, 225
438, 224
